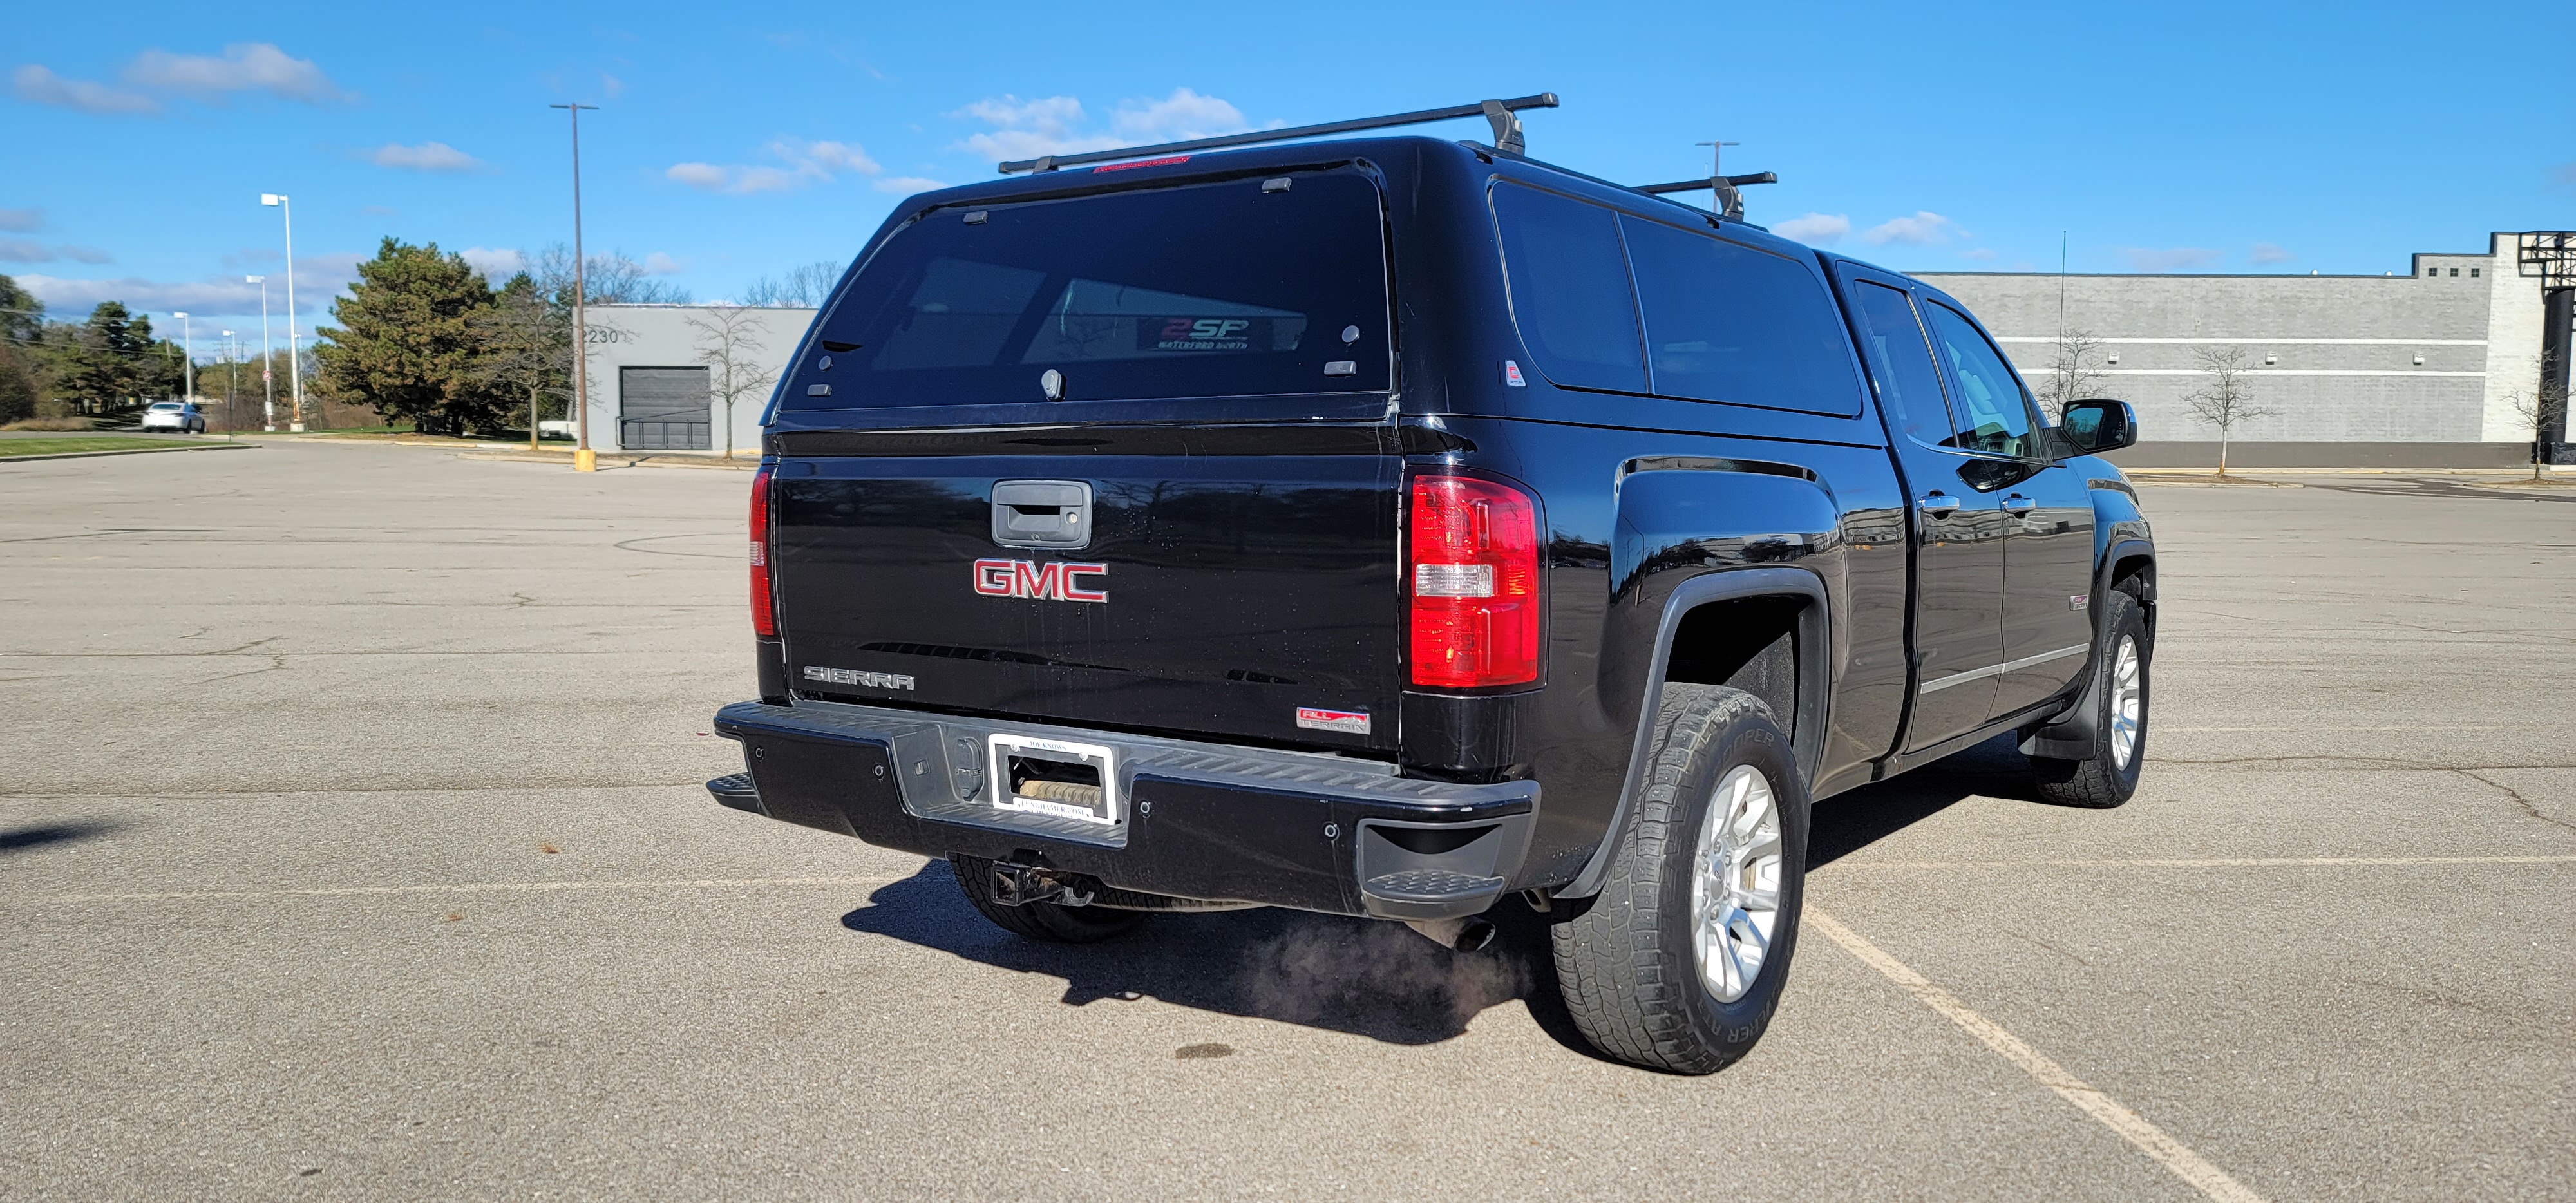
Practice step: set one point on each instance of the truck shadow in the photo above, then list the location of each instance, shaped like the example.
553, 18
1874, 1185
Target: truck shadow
1848, 822
1361, 976
1358, 976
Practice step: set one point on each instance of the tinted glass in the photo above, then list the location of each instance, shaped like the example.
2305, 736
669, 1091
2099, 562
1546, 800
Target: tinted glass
1570, 288
1210, 290
1909, 385
1993, 415
1730, 323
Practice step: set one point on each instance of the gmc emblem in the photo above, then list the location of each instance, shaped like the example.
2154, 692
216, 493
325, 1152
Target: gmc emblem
1043, 582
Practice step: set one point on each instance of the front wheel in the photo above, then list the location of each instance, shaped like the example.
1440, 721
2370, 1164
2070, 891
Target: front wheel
2110, 775
1680, 960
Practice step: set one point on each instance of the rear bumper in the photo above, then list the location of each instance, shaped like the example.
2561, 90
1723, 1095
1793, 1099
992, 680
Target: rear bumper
1200, 821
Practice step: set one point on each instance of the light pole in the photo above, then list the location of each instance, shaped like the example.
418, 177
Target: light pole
583, 458
187, 359
232, 382
294, 362
267, 360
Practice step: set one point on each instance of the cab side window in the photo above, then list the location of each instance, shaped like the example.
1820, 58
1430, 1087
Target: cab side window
1908, 383
1726, 322
1570, 293
1993, 416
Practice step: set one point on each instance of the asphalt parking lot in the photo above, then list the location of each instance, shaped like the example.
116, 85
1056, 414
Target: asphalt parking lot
352, 846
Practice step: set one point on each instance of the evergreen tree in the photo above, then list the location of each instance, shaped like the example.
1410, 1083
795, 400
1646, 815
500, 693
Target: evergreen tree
406, 341
22, 328
100, 366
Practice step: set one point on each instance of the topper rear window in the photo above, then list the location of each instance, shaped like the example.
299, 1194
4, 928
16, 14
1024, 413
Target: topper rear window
1238, 288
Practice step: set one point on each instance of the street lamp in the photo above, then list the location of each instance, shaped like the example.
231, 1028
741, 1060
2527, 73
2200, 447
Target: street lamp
583, 458
267, 359
232, 382
294, 362
187, 359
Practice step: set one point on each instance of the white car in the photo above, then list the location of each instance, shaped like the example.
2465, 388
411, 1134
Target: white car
181, 416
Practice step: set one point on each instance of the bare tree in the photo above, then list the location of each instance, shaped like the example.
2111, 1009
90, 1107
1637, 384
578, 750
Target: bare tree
610, 277
524, 348
2221, 401
2540, 412
805, 287
2075, 374
729, 343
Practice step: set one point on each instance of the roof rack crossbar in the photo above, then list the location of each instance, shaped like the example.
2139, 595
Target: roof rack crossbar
1739, 181
1507, 133
1729, 202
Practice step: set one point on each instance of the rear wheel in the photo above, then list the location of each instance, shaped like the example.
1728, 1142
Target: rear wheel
1680, 960
1049, 921
2110, 775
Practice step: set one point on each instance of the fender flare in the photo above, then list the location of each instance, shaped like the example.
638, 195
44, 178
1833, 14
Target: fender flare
1815, 686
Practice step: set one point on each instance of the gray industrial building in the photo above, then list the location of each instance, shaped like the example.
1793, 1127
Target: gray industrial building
2419, 370
653, 386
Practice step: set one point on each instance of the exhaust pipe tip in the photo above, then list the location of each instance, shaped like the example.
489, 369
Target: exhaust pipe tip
1457, 935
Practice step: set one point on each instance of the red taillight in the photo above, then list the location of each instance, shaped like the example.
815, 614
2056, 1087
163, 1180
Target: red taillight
1472, 571
764, 615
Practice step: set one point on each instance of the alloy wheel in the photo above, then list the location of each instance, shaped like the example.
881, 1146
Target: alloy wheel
1735, 889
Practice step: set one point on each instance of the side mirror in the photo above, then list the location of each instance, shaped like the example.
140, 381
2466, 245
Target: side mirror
2093, 427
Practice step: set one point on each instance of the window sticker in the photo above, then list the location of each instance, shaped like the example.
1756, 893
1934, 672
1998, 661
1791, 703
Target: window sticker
1204, 333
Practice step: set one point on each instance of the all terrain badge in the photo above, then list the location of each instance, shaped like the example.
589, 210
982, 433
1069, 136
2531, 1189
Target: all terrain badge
1315, 718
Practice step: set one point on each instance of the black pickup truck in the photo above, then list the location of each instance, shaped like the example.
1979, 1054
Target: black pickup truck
1387, 527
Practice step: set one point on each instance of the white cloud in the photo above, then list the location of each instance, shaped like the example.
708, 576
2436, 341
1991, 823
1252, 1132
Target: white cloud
28, 250
2266, 252
659, 264
697, 175
831, 156
1053, 125
1925, 228
1179, 117
1815, 229
807, 163
228, 297
41, 86
428, 156
907, 184
244, 67
2152, 260
496, 264
23, 221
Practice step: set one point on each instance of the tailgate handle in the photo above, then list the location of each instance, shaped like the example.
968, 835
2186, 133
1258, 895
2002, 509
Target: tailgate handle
1042, 513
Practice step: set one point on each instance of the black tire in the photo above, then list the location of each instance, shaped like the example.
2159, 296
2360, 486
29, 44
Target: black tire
1052, 922
2103, 780
1626, 961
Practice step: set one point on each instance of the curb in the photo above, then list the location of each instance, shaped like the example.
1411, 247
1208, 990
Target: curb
29, 459
565, 461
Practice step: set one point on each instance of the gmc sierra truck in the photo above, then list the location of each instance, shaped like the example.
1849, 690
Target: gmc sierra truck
1392, 526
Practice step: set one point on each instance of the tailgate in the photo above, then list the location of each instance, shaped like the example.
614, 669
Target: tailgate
1250, 597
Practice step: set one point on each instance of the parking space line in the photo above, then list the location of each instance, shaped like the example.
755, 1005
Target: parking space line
484, 887
2214, 862
2191, 1167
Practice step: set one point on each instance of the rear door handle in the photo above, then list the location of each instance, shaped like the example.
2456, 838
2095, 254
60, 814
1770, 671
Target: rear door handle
2018, 504
1937, 505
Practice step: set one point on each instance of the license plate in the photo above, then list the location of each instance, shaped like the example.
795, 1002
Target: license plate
1054, 777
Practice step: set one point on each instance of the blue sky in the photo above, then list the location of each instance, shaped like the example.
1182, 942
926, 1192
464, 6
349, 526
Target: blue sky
736, 141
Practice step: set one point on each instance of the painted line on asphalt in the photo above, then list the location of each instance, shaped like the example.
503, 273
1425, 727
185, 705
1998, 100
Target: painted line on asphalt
2216, 862
2189, 1166
484, 887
